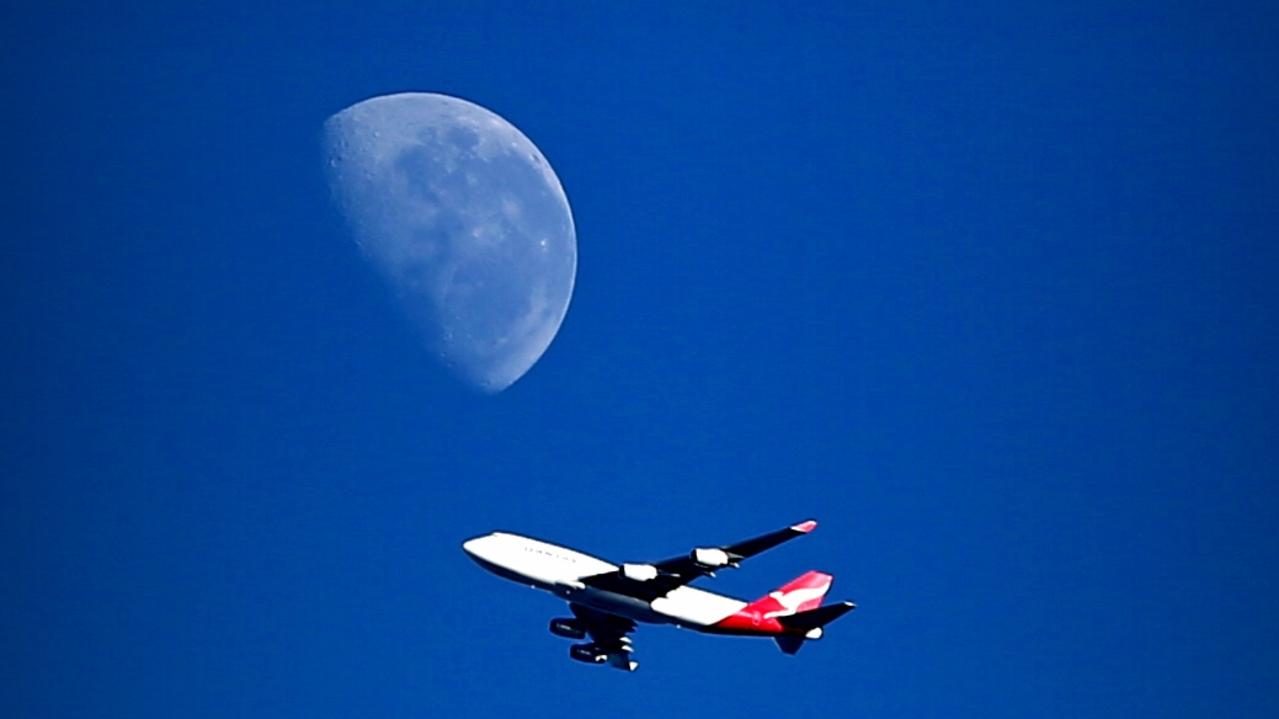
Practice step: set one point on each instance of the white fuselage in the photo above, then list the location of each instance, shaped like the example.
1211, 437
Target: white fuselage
560, 570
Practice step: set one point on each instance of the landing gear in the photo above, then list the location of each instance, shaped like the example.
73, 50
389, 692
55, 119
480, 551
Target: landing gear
618, 657
588, 653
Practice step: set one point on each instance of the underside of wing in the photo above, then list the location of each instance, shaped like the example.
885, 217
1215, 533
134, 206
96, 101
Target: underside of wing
650, 581
705, 560
606, 630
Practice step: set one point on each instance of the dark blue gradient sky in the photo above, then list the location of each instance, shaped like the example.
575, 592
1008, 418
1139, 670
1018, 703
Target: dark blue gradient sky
990, 290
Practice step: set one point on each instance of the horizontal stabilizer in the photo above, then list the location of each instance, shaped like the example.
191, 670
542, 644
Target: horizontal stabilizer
815, 618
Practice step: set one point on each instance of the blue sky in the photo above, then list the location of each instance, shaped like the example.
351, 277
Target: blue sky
989, 290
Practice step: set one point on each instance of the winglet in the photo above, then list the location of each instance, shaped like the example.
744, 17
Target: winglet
805, 526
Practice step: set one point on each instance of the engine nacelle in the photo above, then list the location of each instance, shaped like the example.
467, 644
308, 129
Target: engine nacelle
711, 557
588, 653
639, 572
569, 628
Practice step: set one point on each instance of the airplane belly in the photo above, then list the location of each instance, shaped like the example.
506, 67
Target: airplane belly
692, 606
614, 603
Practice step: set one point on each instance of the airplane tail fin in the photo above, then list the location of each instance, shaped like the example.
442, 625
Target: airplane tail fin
798, 607
800, 594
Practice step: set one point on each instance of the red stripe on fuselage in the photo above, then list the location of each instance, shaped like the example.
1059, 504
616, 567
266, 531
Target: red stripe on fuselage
747, 621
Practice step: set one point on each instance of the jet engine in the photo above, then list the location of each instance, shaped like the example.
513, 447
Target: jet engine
711, 557
588, 653
569, 628
640, 572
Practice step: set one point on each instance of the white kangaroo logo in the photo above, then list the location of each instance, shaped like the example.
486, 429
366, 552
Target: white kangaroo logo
791, 600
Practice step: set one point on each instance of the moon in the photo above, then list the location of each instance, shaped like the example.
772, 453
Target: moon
465, 220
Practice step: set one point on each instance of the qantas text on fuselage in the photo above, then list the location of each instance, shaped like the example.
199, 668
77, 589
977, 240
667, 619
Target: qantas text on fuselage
608, 599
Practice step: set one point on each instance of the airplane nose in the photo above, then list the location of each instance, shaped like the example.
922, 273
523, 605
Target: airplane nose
472, 546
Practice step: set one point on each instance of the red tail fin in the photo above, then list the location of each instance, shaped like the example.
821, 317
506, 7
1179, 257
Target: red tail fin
762, 616
801, 594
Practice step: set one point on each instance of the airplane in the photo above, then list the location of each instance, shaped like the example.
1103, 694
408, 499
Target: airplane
607, 600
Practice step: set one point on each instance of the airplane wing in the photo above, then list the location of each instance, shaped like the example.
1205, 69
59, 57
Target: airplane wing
651, 581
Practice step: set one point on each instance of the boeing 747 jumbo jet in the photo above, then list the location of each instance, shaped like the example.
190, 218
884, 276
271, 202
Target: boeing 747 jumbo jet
608, 599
